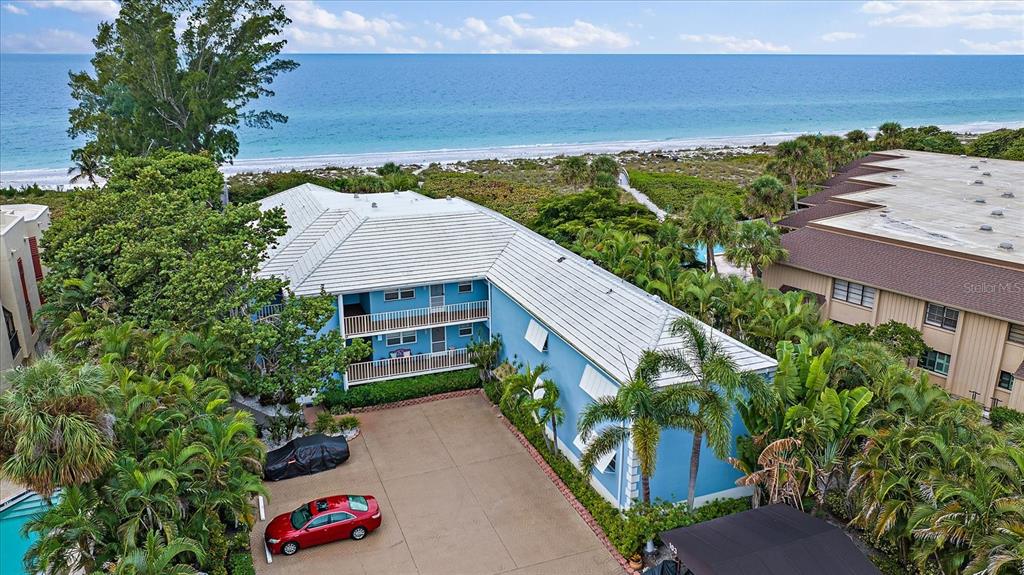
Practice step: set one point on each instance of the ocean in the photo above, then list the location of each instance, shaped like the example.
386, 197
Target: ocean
383, 104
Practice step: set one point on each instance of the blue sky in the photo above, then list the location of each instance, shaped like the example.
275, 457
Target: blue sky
872, 27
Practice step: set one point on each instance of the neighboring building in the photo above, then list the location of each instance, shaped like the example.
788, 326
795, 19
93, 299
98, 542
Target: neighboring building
421, 278
21, 270
934, 241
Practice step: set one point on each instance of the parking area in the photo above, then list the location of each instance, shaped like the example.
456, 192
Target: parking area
459, 495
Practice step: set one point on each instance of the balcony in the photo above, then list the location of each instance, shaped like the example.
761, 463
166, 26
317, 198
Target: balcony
396, 367
374, 323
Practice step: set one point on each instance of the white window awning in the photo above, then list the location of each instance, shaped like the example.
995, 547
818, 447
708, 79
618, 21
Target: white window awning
602, 462
597, 385
537, 335
538, 389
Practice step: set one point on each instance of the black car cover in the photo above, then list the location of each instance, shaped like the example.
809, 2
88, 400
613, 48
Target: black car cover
305, 456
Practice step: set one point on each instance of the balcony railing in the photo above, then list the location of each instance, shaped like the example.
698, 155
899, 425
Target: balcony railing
411, 365
269, 310
413, 318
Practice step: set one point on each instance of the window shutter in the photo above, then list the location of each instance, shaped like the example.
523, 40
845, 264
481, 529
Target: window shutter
24, 293
37, 266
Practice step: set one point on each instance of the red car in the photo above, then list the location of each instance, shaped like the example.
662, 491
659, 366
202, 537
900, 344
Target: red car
322, 521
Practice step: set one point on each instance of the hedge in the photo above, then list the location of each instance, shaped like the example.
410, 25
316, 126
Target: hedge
626, 531
400, 389
1001, 416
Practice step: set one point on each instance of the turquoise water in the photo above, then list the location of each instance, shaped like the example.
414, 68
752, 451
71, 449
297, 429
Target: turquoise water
341, 104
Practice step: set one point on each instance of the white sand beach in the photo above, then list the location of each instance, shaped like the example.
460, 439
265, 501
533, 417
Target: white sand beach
54, 177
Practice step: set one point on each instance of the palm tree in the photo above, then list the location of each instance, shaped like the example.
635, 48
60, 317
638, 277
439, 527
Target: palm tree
520, 388
546, 409
756, 245
637, 414
889, 136
158, 558
710, 222
603, 165
780, 474
573, 171
836, 153
55, 426
799, 161
766, 197
88, 166
712, 374
70, 535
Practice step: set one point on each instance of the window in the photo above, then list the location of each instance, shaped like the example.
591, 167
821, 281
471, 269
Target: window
358, 503
319, 521
935, 361
300, 516
466, 287
1016, 334
395, 295
400, 338
37, 266
537, 336
597, 385
24, 290
857, 294
605, 463
941, 316
1005, 380
341, 516
12, 333
466, 330
611, 465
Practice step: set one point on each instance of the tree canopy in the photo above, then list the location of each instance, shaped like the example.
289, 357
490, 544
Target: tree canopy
153, 86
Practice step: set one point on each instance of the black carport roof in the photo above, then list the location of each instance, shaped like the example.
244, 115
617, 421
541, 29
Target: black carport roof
772, 540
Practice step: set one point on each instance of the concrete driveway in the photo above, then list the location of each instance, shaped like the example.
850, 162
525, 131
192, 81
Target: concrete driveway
459, 495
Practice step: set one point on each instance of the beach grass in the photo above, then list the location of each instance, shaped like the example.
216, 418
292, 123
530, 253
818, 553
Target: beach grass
516, 200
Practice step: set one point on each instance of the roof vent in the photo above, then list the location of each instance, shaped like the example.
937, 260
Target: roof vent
609, 292
1008, 246
997, 213
974, 167
396, 192
373, 205
655, 298
590, 262
883, 215
894, 176
963, 155
449, 198
984, 161
1006, 195
979, 182
560, 259
356, 195
985, 228
979, 200
986, 173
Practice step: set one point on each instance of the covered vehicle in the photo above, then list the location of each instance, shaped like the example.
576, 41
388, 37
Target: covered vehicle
305, 456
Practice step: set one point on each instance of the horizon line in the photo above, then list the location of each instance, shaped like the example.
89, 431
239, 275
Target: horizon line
15, 53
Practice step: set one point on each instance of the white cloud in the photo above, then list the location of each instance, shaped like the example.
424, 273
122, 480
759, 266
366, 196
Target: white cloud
102, 8
309, 13
303, 40
1002, 47
839, 36
13, 9
50, 41
475, 25
977, 15
524, 16
734, 44
581, 35
876, 7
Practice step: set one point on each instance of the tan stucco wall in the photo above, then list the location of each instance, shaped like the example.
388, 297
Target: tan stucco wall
14, 244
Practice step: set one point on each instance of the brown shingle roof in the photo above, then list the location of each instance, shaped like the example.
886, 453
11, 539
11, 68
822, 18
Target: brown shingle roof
843, 187
826, 210
964, 284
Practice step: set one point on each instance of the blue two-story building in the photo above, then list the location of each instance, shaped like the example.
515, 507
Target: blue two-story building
420, 278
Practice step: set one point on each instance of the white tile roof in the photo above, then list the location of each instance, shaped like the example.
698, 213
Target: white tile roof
347, 243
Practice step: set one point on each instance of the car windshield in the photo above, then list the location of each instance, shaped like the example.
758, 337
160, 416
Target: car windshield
357, 503
300, 516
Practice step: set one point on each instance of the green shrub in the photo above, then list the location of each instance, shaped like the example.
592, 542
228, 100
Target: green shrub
241, 564
626, 531
399, 389
346, 423
513, 199
1001, 416
324, 423
676, 192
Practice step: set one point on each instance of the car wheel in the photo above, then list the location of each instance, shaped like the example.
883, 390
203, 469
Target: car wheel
290, 548
358, 533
